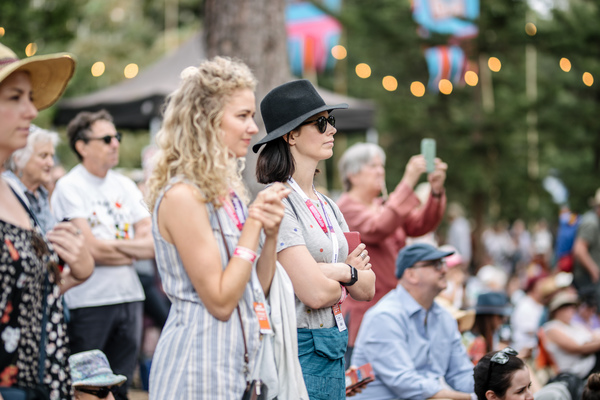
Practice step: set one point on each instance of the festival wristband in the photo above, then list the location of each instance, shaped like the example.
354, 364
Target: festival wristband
245, 254
344, 294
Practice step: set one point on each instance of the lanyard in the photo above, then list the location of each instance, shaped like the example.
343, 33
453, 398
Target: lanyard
236, 213
317, 215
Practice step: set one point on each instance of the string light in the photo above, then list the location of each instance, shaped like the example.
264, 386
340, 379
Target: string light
339, 52
445, 86
2, 31
363, 70
565, 64
31, 49
389, 83
471, 78
494, 64
131, 71
530, 29
417, 89
588, 79
98, 68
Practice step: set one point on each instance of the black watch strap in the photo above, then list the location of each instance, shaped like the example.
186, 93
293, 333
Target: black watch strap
353, 276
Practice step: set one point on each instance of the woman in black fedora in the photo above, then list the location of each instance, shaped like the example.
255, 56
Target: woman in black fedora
311, 244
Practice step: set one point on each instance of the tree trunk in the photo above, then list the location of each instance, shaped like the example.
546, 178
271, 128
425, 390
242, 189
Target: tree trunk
253, 31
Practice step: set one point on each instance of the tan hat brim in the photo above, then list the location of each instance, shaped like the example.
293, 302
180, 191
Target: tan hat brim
49, 75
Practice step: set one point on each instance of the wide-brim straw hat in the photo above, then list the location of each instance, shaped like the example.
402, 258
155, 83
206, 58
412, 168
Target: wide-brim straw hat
562, 299
464, 318
49, 74
287, 106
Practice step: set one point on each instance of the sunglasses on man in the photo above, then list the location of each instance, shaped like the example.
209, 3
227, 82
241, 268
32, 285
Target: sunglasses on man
106, 139
321, 123
100, 392
438, 265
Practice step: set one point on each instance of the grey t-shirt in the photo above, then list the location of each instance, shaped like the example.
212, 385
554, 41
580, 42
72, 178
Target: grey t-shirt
300, 228
589, 231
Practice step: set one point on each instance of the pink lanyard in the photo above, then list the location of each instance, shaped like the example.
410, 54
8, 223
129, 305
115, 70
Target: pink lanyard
317, 215
236, 213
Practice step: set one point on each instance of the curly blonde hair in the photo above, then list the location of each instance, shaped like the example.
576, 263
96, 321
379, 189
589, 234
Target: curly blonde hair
191, 142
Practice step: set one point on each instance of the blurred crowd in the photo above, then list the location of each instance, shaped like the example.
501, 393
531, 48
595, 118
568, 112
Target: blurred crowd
179, 284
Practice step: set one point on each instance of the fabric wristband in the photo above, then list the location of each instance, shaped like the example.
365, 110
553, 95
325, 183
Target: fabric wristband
245, 254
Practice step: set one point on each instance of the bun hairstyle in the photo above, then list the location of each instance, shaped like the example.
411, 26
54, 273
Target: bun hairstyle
592, 388
499, 377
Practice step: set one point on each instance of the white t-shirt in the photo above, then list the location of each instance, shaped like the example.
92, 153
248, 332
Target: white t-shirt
525, 322
577, 364
111, 206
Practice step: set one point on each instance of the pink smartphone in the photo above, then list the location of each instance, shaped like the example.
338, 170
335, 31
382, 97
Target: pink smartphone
353, 239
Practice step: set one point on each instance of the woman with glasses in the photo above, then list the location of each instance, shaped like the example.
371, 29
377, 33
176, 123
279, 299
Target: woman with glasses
34, 346
311, 245
502, 376
385, 221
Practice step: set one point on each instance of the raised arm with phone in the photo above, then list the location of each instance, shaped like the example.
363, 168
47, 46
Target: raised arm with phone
384, 222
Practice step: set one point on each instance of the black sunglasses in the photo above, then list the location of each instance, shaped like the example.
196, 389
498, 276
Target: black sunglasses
101, 392
106, 139
501, 357
321, 123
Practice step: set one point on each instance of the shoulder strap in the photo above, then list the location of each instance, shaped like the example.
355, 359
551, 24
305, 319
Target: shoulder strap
246, 356
42, 360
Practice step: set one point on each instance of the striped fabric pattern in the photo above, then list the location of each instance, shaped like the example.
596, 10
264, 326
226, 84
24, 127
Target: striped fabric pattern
198, 356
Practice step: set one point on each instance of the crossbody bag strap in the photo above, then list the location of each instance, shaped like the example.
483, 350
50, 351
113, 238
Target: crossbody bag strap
42, 360
246, 355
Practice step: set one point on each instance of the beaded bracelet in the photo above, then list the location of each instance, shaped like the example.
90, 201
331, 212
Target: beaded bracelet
245, 254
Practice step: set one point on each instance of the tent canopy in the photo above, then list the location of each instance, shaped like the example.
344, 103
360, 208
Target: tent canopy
135, 102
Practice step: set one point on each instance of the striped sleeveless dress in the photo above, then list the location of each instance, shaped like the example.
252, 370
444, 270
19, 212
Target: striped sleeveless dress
199, 356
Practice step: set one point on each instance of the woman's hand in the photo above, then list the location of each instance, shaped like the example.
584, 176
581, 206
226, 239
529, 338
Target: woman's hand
438, 176
69, 244
268, 208
359, 258
414, 168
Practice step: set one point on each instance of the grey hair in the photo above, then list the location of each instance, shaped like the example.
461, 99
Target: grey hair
355, 158
21, 157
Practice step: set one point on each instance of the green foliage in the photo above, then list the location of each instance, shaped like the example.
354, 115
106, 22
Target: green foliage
487, 150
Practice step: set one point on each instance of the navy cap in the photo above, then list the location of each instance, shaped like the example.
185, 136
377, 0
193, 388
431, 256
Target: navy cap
410, 255
494, 303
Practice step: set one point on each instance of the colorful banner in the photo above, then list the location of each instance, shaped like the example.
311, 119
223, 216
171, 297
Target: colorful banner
447, 17
311, 36
445, 62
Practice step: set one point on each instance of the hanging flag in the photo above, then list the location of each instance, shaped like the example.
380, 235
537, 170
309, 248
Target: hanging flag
445, 62
447, 17
311, 36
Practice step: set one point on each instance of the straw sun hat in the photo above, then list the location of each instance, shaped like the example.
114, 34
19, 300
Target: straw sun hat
49, 74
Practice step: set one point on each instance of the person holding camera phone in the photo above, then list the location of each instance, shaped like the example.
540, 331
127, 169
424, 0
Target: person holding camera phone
384, 222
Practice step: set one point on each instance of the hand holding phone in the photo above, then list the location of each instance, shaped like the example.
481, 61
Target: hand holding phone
428, 151
353, 239
359, 377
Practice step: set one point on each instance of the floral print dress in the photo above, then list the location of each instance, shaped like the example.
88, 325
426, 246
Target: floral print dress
24, 259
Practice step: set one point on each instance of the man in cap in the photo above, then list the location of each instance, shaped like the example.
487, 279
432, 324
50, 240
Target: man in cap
92, 377
412, 342
586, 249
108, 208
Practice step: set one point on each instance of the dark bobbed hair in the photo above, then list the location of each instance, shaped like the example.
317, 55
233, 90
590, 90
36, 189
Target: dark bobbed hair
500, 377
591, 391
80, 127
275, 162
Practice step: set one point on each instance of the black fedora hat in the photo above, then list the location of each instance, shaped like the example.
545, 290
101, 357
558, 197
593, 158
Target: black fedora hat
287, 106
